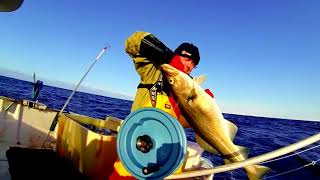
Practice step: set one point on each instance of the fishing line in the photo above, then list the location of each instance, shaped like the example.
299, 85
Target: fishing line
55, 120
312, 163
290, 155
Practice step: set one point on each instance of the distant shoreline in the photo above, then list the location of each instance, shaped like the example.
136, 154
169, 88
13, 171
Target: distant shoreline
63, 85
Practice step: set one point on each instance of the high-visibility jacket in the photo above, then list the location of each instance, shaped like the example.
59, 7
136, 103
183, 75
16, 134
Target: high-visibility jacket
148, 53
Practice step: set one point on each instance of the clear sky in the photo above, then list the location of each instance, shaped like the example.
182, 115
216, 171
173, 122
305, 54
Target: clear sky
260, 57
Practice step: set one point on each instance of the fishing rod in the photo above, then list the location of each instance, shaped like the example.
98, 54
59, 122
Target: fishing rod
55, 120
254, 160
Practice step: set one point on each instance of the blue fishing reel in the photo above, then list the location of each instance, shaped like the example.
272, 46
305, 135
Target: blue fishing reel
151, 144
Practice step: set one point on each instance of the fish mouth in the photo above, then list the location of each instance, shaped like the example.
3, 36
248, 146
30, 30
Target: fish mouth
169, 71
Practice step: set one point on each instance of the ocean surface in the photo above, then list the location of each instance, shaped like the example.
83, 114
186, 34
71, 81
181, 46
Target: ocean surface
261, 135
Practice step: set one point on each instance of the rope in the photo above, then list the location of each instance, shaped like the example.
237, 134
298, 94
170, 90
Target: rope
312, 163
290, 155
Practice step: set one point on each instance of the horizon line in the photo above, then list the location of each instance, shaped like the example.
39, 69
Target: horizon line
94, 91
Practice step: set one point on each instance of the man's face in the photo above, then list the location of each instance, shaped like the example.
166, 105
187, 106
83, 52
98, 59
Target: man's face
187, 63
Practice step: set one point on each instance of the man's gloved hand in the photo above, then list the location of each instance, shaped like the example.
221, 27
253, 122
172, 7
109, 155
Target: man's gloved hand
209, 92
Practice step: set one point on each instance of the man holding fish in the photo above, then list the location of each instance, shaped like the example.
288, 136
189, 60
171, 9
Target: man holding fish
166, 84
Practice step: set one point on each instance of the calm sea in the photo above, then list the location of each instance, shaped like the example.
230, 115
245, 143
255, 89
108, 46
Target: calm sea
259, 134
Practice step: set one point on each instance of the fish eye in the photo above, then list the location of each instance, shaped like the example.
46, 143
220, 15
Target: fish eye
171, 81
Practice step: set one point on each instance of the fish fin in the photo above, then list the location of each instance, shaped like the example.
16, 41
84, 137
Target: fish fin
227, 161
243, 150
200, 79
204, 145
256, 172
232, 129
192, 94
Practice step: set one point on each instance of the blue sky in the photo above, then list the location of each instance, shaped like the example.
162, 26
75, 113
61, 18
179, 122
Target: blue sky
260, 57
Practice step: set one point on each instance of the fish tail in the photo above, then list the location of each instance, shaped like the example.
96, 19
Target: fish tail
255, 172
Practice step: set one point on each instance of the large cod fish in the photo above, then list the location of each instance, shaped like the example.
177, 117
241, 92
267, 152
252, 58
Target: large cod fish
204, 116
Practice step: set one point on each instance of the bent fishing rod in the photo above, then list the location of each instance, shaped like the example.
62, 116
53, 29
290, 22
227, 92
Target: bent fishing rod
55, 120
251, 161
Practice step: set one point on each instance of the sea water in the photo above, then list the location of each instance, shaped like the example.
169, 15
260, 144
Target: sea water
259, 134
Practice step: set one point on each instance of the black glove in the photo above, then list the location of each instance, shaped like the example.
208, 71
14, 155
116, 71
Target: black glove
153, 49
